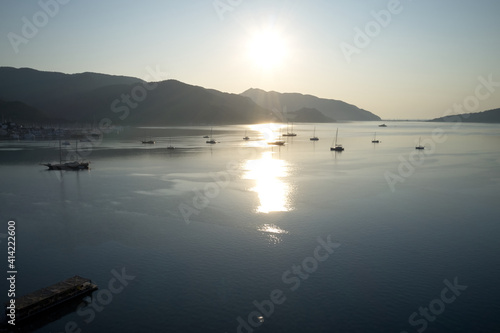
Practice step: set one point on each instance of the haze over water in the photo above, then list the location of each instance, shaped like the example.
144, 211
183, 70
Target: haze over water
204, 230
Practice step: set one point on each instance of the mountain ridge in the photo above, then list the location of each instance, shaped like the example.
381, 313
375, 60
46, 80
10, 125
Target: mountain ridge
291, 102
487, 116
88, 97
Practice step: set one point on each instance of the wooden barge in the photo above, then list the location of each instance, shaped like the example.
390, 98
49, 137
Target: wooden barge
49, 297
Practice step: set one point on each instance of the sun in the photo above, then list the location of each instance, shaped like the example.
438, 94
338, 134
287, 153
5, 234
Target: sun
267, 49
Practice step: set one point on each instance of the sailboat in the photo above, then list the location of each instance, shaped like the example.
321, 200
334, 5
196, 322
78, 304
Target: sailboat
170, 144
211, 141
74, 165
314, 137
375, 138
277, 142
289, 133
336, 147
148, 141
419, 145
246, 137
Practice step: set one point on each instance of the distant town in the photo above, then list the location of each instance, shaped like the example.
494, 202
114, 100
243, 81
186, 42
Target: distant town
16, 131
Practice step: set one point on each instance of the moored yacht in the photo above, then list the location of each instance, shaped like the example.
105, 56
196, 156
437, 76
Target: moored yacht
336, 146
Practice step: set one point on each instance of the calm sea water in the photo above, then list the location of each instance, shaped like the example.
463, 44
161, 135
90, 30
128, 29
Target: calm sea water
244, 237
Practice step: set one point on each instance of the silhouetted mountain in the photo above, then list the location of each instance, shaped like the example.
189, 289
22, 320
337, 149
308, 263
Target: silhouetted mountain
20, 112
489, 116
126, 100
287, 102
91, 97
44, 89
172, 102
309, 115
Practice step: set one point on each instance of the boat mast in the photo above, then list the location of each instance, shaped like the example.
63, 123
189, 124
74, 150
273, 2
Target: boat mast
60, 151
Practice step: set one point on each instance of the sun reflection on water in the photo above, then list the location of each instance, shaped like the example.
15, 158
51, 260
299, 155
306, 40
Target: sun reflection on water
267, 133
273, 232
269, 174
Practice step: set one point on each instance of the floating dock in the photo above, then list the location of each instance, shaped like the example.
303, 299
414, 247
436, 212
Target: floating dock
46, 298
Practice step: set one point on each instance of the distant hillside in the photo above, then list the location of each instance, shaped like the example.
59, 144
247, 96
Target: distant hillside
290, 102
90, 97
19, 112
490, 116
170, 103
43, 89
309, 115
124, 100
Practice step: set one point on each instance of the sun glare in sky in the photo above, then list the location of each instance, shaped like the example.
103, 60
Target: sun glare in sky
267, 49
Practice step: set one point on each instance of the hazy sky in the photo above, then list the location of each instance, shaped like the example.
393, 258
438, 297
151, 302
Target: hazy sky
398, 59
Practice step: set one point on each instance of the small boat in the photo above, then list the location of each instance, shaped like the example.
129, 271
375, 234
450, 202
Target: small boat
375, 138
336, 147
66, 143
382, 125
289, 133
205, 137
314, 137
149, 142
420, 147
211, 141
74, 165
246, 137
276, 143
48, 298
170, 145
